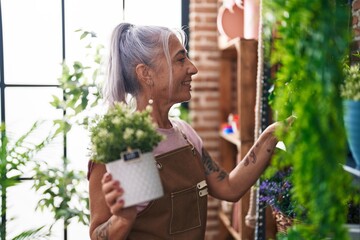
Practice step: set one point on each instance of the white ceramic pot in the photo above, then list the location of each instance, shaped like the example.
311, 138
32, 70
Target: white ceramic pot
138, 176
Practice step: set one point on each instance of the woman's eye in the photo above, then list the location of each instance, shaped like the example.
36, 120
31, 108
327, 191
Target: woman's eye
182, 59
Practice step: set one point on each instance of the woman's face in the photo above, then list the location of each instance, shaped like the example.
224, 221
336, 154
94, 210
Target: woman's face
182, 70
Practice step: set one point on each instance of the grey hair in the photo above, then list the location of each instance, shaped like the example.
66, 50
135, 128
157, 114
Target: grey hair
131, 45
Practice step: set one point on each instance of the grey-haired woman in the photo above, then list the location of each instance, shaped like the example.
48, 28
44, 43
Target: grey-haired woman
149, 64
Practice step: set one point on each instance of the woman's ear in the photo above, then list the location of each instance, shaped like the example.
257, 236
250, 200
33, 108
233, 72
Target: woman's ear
144, 74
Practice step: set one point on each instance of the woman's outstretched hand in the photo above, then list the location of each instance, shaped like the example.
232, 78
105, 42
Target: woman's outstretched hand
285, 124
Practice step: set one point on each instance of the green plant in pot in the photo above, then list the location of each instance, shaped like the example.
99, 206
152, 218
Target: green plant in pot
350, 91
123, 140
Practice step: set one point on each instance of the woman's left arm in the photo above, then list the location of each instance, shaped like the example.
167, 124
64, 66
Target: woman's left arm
233, 186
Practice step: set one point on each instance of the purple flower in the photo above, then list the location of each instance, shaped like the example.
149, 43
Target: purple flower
276, 192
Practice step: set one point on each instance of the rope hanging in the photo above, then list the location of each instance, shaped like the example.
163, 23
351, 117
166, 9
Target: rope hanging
251, 217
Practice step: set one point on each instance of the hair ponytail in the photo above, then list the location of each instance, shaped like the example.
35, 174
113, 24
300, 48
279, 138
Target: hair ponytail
131, 45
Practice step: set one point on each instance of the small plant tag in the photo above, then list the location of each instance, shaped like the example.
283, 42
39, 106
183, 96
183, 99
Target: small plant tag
133, 155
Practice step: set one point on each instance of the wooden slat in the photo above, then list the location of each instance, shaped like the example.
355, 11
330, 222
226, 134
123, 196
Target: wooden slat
232, 138
228, 154
227, 223
247, 70
225, 89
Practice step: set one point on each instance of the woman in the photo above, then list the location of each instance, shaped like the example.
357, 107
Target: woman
150, 64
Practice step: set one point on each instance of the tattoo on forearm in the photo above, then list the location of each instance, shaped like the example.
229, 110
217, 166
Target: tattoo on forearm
253, 156
102, 232
246, 161
250, 158
222, 175
211, 166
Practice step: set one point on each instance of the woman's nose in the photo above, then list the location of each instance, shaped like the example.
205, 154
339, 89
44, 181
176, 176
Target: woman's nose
192, 69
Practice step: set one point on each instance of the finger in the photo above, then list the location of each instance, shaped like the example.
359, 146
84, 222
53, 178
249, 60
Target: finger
113, 196
110, 186
106, 178
291, 119
118, 207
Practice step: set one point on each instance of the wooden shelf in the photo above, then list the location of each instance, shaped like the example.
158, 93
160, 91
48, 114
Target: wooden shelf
227, 223
238, 78
228, 47
232, 138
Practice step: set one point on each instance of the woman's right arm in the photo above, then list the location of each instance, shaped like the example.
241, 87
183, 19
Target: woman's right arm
108, 218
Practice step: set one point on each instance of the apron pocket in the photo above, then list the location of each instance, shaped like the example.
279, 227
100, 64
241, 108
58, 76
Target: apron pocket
185, 211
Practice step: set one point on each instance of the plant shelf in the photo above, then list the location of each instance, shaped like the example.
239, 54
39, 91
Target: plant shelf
227, 223
232, 138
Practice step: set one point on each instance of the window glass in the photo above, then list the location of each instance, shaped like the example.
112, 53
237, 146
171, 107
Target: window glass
156, 12
32, 41
32, 32
22, 201
99, 17
25, 106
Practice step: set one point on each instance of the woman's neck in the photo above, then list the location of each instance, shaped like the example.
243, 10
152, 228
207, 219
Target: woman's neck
159, 114
161, 117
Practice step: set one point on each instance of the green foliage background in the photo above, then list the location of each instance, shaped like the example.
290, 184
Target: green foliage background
312, 38
60, 187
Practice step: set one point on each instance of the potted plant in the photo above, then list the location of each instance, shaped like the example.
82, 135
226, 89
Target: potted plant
350, 91
123, 140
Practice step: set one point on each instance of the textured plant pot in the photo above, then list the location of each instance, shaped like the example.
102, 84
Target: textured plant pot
139, 177
352, 125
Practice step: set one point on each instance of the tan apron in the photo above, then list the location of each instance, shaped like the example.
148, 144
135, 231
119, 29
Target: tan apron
181, 212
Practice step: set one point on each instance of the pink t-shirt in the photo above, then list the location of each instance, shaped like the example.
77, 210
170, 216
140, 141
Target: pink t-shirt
175, 139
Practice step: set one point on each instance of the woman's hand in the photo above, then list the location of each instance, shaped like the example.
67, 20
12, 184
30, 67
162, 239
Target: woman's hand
286, 124
233, 186
113, 192
109, 219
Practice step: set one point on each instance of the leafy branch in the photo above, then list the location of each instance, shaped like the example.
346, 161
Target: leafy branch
60, 187
308, 49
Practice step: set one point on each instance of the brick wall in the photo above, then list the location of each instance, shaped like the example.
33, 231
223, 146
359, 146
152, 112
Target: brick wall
204, 105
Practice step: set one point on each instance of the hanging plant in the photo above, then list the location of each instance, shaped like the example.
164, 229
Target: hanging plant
313, 36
